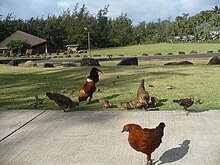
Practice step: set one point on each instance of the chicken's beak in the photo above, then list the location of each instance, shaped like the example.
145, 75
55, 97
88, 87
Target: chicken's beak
100, 71
125, 129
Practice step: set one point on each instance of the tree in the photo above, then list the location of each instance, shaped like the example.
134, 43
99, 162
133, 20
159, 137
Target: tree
140, 33
18, 46
122, 31
216, 9
9, 25
55, 31
204, 15
102, 29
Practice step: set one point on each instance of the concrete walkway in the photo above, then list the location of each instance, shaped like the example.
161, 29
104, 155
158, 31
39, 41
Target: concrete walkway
35, 137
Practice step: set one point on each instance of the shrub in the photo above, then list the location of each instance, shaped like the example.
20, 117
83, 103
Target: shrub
144, 54
180, 52
158, 54
96, 55
193, 52
210, 51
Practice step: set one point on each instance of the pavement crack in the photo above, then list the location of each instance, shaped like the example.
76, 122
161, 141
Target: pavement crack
22, 126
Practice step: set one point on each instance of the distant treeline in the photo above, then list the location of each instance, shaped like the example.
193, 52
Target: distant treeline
71, 27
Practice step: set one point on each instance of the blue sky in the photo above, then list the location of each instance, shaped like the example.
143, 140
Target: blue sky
137, 10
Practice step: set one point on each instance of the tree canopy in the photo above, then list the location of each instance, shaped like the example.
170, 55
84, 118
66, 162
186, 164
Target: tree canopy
18, 45
69, 27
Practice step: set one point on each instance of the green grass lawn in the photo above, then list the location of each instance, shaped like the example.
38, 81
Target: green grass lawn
163, 48
18, 85
139, 50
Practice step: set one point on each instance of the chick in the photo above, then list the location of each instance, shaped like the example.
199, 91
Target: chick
125, 105
154, 101
105, 103
135, 104
37, 102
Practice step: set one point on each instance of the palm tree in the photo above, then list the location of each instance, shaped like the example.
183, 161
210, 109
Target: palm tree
216, 9
204, 15
216, 20
217, 23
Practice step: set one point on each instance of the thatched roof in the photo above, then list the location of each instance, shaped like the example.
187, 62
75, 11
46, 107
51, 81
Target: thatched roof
19, 35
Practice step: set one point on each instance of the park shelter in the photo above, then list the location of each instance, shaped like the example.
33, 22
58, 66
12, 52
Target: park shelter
39, 45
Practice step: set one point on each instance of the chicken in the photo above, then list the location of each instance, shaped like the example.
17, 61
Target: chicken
87, 91
89, 87
144, 140
94, 75
125, 105
142, 95
154, 101
186, 103
199, 101
135, 103
105, 103
37, 102
62, 101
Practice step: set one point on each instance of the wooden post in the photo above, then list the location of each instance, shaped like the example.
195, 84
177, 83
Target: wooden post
46, 48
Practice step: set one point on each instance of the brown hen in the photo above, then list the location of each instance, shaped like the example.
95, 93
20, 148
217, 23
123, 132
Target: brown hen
62, 101
186, 103
144, 140
142, 95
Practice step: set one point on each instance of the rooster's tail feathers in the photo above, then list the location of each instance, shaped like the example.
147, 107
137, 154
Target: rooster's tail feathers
162, 125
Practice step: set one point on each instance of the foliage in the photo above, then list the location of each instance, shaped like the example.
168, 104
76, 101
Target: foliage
18, 45
69, 27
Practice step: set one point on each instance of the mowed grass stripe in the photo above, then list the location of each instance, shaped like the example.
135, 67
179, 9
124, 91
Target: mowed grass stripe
20, 84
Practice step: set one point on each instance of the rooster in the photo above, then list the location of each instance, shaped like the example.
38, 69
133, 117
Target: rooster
62, 101
142, 95
94, 75
89, 87
144, 140
186, 103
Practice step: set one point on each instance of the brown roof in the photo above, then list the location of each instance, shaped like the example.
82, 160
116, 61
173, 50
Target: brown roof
19, 35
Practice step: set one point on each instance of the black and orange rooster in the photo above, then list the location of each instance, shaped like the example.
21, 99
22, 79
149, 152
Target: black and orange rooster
144, 140
89, 87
